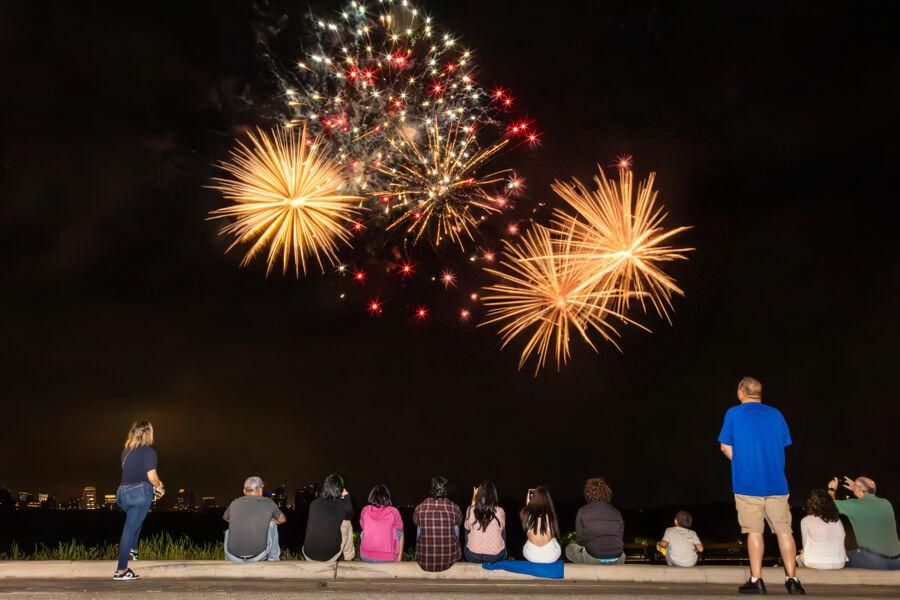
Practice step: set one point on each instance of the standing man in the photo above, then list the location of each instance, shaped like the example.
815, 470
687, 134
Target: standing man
753, 438
253, 522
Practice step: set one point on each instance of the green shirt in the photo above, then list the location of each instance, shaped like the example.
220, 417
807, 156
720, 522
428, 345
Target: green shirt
873, 523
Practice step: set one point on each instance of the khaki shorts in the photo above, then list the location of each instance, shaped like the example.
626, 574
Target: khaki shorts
755, 511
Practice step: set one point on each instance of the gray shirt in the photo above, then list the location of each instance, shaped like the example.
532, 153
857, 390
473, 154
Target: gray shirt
682, 546
248, 524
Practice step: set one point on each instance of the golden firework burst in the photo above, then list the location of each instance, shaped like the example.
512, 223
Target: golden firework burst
622, 240
542, 292
437, 184
287, 196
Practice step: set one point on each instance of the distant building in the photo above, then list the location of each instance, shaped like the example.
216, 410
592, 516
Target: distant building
279, 497
208, 502
89, 498
184, 501
109, 501
43, 496
22, 499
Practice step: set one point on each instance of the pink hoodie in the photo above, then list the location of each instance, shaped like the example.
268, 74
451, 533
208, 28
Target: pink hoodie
379, 532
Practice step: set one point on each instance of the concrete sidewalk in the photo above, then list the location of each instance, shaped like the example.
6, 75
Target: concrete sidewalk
304, 570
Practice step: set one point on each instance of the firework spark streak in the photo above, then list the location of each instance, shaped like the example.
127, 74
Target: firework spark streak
540, 292
622, 240
287, 196
438, 187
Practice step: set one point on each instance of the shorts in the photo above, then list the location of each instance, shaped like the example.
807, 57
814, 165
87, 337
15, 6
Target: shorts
755, 511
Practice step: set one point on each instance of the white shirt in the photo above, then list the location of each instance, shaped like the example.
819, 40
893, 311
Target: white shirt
823, 543
682, 550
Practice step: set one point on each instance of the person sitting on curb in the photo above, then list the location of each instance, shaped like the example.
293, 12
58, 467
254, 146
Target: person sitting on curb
329, 533
381, 535
822, 533
599, 528
680, 544
541, 527
873, 524
253, 522
485, 526
437, 519
753, 437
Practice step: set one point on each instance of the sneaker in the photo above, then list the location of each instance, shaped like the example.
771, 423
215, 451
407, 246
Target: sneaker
793, 586
125, 575
753, 587
132, 555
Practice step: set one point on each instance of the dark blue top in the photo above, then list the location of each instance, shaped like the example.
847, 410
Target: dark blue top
758, 435
136, 463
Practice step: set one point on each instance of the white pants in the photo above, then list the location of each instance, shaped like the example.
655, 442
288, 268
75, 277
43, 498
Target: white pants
547, 553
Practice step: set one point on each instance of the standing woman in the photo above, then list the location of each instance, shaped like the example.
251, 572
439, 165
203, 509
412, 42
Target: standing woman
541, 527
135, 494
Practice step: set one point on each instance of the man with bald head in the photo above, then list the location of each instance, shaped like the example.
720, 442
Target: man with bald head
874, 525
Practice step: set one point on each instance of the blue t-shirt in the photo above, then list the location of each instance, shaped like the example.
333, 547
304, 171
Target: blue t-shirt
136, 463
758, 435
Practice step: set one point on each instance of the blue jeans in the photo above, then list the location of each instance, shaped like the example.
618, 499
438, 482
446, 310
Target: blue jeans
864, 559
135, 500
474, 557
272, 551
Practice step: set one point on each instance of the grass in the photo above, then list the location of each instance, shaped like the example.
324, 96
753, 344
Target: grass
157, 547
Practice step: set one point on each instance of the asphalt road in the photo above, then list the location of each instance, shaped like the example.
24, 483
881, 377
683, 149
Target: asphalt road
410, 590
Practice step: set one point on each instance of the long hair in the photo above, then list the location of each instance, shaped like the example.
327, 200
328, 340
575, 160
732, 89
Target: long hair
485, 508
539, 514
439, 486
140, 434
380, 496
332, 487
820, 504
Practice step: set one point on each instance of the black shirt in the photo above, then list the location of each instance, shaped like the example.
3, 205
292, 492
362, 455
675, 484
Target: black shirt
323, 529
599, 527
135, 464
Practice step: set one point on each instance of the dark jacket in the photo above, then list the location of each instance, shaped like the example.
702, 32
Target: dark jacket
599, 527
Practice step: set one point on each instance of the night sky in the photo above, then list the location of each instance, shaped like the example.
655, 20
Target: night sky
772, 130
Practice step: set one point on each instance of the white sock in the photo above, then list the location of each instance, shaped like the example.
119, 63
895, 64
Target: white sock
794, 577
753, 579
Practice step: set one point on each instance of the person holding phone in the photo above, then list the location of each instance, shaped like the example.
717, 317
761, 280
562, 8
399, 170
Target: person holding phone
874, 525
485, 525
140, 483
541, 527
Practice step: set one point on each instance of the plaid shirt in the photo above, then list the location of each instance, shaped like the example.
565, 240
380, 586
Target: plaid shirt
438, 545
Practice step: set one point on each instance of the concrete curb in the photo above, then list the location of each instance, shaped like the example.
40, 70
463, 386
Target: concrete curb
212, 569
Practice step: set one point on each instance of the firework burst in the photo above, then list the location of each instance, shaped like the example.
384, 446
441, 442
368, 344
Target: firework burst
438, 188
372, 71
621, 239
287, 197
541, 295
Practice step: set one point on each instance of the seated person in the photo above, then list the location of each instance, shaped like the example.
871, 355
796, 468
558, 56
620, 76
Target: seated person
599, 528
680, 544
253, 521
381, 538
541, 527
822, 533
329, 533
485, 526
873, 524
437, 519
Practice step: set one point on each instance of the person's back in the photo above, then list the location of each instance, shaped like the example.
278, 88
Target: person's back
438, 520
874, 523
323, 527
681, 550
599, 527
382, 531
248, 524
823, 543
758, 435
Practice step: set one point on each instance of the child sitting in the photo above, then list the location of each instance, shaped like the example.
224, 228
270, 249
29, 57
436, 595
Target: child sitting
680, 544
